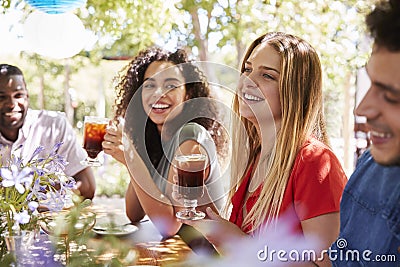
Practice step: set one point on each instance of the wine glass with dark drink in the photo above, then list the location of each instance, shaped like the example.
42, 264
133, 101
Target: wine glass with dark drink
191, 174
93, 137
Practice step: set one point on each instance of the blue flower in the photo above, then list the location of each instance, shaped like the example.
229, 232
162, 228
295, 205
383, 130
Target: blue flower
71, 184
22, 217
26, 185
55, 201
36, 152
55, 149
57, 164
16, 177
37, 191
33, 205
17, 161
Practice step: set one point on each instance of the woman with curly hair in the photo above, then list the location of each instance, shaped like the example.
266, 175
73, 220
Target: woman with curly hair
167, 106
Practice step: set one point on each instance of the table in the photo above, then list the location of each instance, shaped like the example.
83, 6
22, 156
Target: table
147, 244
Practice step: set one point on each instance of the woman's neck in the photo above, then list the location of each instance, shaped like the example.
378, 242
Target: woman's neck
267, 135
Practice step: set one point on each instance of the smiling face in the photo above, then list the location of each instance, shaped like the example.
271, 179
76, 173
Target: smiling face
381, 106
13, 105
259, 86
163, 92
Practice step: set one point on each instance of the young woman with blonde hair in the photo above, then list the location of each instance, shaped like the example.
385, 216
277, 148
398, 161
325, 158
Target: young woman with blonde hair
285, 169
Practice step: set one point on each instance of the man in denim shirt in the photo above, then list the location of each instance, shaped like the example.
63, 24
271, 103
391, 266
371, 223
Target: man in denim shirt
370, 206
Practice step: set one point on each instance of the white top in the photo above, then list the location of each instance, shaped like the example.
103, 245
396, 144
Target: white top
46, 128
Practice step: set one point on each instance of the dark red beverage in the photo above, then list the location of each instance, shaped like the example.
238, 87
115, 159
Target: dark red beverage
93, 137
191, 174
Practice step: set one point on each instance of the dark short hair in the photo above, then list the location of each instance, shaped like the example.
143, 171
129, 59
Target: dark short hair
6, 69
384, 24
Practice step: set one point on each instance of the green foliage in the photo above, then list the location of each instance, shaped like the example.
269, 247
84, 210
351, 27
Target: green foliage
214, 30
8, 260
334, 28
113, 179
78, 243
5, 4
124, 27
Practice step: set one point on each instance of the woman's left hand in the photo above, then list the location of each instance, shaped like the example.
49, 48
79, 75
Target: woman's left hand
218, 231
112, 144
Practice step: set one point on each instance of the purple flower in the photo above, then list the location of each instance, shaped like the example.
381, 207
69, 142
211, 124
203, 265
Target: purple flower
17, 161
16, 177
55, 201
22, 217
37, 191
40, 172
18, 147
58, 163
36, 152
39, 181
55, 149
71, 184
33, 205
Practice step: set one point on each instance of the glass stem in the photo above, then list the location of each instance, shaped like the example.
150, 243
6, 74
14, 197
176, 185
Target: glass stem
190, 203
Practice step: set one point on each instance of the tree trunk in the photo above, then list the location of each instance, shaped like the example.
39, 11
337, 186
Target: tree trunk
240, 50
348, 126
40, 100
203, 45
101, 100
68, 109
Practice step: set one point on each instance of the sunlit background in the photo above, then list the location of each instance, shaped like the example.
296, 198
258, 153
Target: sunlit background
70, 56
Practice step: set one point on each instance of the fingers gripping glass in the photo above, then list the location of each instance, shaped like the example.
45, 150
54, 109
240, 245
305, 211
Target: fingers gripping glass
191, 174
93, 137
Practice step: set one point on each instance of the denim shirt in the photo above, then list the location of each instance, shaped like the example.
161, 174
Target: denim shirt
369, 217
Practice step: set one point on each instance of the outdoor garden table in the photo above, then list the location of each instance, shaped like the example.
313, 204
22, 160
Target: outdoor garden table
147, 244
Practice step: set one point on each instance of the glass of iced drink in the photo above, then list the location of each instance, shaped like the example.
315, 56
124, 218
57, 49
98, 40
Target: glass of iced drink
93, 136
191, 174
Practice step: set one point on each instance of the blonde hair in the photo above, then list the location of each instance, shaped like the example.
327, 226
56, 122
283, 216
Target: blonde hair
300, 93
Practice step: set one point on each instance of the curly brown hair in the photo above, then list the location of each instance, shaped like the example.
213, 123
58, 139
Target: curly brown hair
130, 83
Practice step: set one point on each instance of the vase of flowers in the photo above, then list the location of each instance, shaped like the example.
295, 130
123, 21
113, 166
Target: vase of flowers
27, 185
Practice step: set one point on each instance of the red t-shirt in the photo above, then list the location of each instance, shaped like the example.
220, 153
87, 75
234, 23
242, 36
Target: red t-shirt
314, 187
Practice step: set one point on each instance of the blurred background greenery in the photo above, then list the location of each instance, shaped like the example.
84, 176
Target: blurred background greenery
210, 30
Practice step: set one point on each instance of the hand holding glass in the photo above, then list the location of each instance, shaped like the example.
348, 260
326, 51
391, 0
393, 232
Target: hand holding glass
191, 174
93, 137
